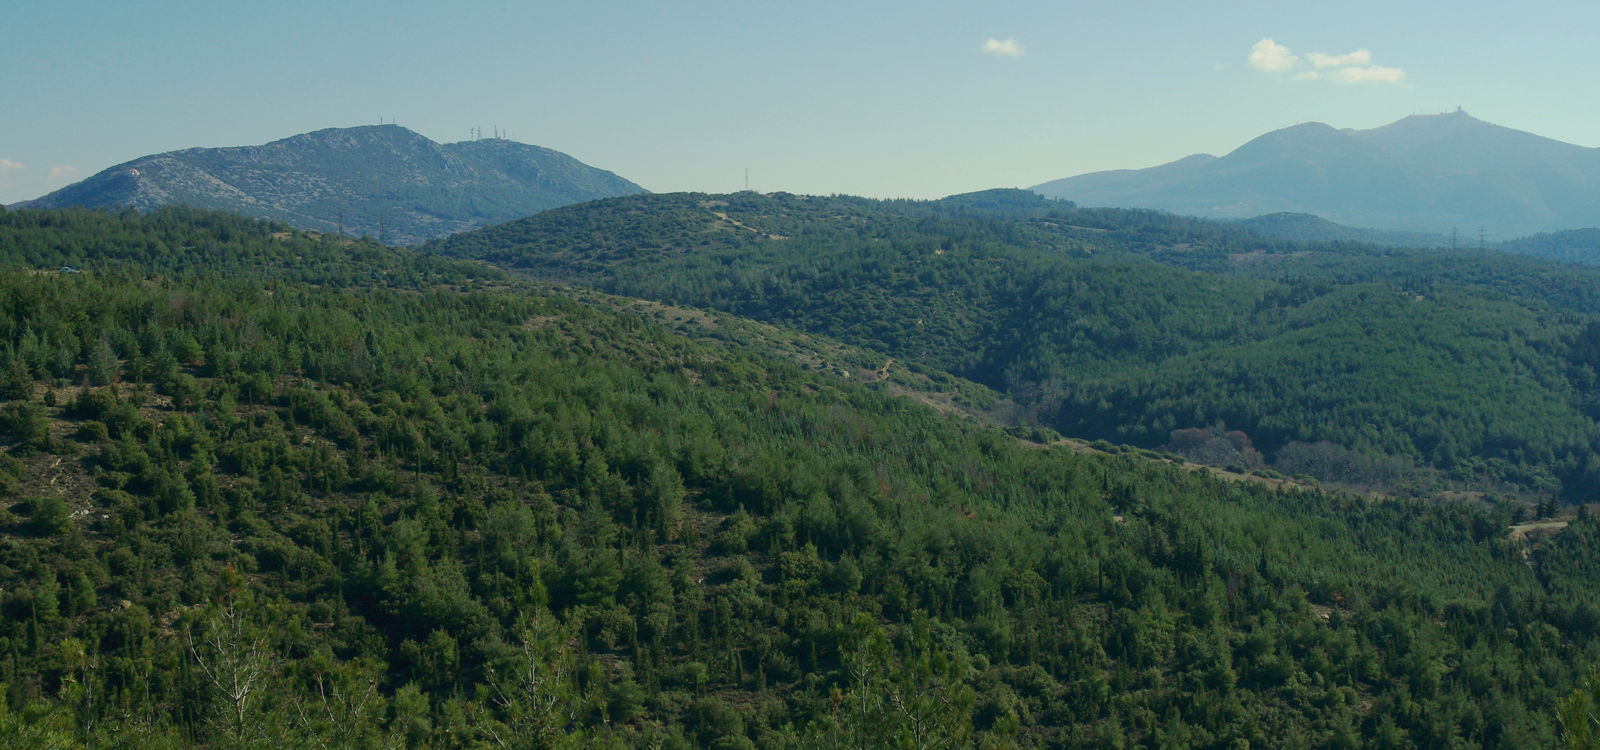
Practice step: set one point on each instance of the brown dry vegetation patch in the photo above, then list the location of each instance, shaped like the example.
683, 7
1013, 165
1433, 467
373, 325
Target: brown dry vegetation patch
1535, 530
1260, 257
63, 476
723, 215
1097, 230
1532, 533
944, 403
1076, 445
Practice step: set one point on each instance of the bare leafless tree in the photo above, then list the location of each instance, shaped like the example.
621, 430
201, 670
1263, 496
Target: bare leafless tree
534, 696
236, 663
339, 714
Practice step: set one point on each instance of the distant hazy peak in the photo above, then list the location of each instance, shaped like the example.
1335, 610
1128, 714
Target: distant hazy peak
380, 180
1422, 173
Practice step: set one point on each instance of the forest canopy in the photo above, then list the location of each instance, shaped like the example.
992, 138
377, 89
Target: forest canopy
1456, 370
268, 487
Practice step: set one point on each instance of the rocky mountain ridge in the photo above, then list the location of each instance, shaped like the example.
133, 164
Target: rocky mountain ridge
382, 181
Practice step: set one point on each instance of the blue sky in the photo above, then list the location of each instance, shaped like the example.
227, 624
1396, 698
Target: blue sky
882, 99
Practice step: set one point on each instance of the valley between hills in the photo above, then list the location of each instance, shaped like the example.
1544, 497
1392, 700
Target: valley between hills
357, 440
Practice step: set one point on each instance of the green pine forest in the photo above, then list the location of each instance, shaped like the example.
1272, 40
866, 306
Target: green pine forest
1406, 371
768, 471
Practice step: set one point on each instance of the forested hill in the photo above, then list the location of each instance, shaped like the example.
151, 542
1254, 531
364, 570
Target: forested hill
1411, 371
381, 181
1574, 246
1313, 228
263, 488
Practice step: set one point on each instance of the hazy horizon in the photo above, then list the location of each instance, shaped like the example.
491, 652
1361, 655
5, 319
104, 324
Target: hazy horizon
895, 100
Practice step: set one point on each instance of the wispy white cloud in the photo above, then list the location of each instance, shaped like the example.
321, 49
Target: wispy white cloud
8, 166
1272, 57
1352, 67
62, 171
1369, 74
1007, 48
1358, 57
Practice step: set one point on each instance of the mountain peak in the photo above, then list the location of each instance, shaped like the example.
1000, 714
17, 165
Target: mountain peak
1458, 118
386, 130
380, 180
1309, 127
1458, 143
1458, 114
1295, 141
356, 137
1419, 173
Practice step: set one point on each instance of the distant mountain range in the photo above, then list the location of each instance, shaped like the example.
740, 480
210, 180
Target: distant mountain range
383, 181
1426, 173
